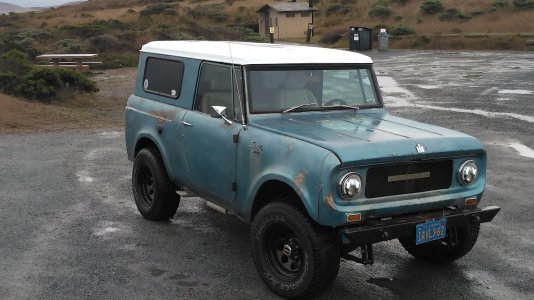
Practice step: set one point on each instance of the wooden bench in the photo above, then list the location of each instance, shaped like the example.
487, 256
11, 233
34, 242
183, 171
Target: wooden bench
74, 61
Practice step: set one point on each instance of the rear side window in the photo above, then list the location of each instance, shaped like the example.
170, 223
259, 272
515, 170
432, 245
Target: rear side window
163, 77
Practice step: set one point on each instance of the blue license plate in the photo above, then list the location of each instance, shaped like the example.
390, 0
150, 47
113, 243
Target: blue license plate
430, 231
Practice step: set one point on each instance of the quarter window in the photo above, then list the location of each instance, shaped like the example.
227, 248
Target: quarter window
163, 77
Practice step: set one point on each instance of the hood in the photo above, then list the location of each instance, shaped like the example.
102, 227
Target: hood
370, 136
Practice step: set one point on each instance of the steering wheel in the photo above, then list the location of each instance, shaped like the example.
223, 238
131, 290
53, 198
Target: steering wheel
335, 101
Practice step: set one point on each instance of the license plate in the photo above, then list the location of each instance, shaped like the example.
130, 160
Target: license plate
430, 231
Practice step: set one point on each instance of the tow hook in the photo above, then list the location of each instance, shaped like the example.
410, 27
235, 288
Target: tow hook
366, 255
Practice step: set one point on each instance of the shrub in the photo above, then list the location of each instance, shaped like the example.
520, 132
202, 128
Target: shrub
337, 9
430, 7
452, 14
15, 61
499, 3
158, 9
523, 4
19, 77
401, 2
107, 42
477, 13
330, 38
380, 11
401, 29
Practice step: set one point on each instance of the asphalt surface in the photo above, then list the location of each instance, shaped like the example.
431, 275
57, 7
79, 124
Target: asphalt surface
69, 227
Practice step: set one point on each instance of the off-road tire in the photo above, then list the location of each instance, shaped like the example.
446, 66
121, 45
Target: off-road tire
155, 195
441, 251
317, 247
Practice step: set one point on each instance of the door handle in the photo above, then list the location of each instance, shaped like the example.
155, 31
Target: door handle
186, 124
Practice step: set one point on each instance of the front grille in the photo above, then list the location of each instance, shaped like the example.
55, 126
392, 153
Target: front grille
407, 178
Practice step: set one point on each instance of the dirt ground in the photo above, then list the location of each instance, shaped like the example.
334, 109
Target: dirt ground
101, 110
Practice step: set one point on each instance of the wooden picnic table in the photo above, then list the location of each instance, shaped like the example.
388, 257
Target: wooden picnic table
69, 60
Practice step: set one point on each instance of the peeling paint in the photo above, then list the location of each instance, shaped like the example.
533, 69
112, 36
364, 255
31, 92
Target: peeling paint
329, 201
299, 179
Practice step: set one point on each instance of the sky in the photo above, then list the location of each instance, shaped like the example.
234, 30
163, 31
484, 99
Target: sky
36, 3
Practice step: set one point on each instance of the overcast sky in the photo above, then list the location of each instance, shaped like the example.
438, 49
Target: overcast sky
37, 3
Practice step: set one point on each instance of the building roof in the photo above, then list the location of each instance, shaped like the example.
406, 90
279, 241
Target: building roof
288, 7
243, 53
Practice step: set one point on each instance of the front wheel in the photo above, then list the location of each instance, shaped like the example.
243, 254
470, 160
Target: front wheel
459, 242
293, 257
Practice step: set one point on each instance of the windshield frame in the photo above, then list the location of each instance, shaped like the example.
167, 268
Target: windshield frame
285, 67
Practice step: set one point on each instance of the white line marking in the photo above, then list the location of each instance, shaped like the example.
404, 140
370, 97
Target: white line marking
523, 150
516, 92
390, 86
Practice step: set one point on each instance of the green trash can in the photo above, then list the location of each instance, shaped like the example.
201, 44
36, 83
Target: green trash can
360, 39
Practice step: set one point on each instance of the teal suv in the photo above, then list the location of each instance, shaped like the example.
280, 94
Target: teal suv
296, 141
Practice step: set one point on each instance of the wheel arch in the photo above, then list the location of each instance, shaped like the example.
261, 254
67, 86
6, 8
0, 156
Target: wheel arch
279, 191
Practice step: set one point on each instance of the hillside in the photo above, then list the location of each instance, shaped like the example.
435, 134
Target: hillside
6, 8
116, 29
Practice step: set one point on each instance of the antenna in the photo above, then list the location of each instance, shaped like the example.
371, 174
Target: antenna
237, 86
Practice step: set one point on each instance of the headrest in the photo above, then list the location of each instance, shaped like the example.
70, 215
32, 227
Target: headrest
220, 82
295, 80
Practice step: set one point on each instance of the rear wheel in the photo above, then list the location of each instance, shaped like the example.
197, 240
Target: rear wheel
154, 193
295, 258
459, 242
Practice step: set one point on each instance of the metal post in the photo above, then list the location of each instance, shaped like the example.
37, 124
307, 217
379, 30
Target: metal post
309, 33
271, 34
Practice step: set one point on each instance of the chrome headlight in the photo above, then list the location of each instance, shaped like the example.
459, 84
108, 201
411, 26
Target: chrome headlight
350, 185
468, 172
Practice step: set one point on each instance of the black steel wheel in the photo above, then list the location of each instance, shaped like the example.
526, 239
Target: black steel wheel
294, 257
146, 186
457, 243
155, 195
284, 252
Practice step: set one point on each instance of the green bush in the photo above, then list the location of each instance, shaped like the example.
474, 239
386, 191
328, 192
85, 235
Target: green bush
499, 3
401, 29
337, 9
20, 78
15, 61
453, 14
430, 7
158, 9
380, 11
523, 4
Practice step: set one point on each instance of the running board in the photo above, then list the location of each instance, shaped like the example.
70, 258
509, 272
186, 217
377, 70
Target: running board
217, 208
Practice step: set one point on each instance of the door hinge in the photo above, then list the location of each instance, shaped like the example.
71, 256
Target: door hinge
235, 138
234, 186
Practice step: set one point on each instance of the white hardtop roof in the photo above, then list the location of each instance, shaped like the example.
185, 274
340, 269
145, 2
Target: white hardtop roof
243, 53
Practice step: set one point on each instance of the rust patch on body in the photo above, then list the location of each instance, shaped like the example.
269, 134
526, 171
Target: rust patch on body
164, 116
299, 179
329, 201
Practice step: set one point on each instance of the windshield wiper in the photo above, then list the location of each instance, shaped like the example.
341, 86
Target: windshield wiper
342, 105
298, 106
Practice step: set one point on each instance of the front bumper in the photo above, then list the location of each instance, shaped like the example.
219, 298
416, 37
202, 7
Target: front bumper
374, 231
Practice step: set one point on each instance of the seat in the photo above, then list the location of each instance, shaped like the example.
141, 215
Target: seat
219, 94
293, 92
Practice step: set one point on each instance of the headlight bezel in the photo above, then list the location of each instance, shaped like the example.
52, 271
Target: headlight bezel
464, 166
342, 188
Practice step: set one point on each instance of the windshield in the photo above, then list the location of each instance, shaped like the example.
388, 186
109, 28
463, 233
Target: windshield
310, 89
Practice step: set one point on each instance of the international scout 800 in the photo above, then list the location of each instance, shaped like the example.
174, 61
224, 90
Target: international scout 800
296, 141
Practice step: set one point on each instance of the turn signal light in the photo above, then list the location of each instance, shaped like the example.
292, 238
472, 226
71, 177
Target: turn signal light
354, 217
471, 201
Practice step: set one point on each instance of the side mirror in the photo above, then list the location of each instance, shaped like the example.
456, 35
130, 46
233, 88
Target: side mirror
220, 112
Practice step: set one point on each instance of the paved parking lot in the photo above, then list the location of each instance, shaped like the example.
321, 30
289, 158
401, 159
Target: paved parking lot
70, 229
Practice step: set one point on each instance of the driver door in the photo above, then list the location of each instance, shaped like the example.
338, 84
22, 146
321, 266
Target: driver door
209, 139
